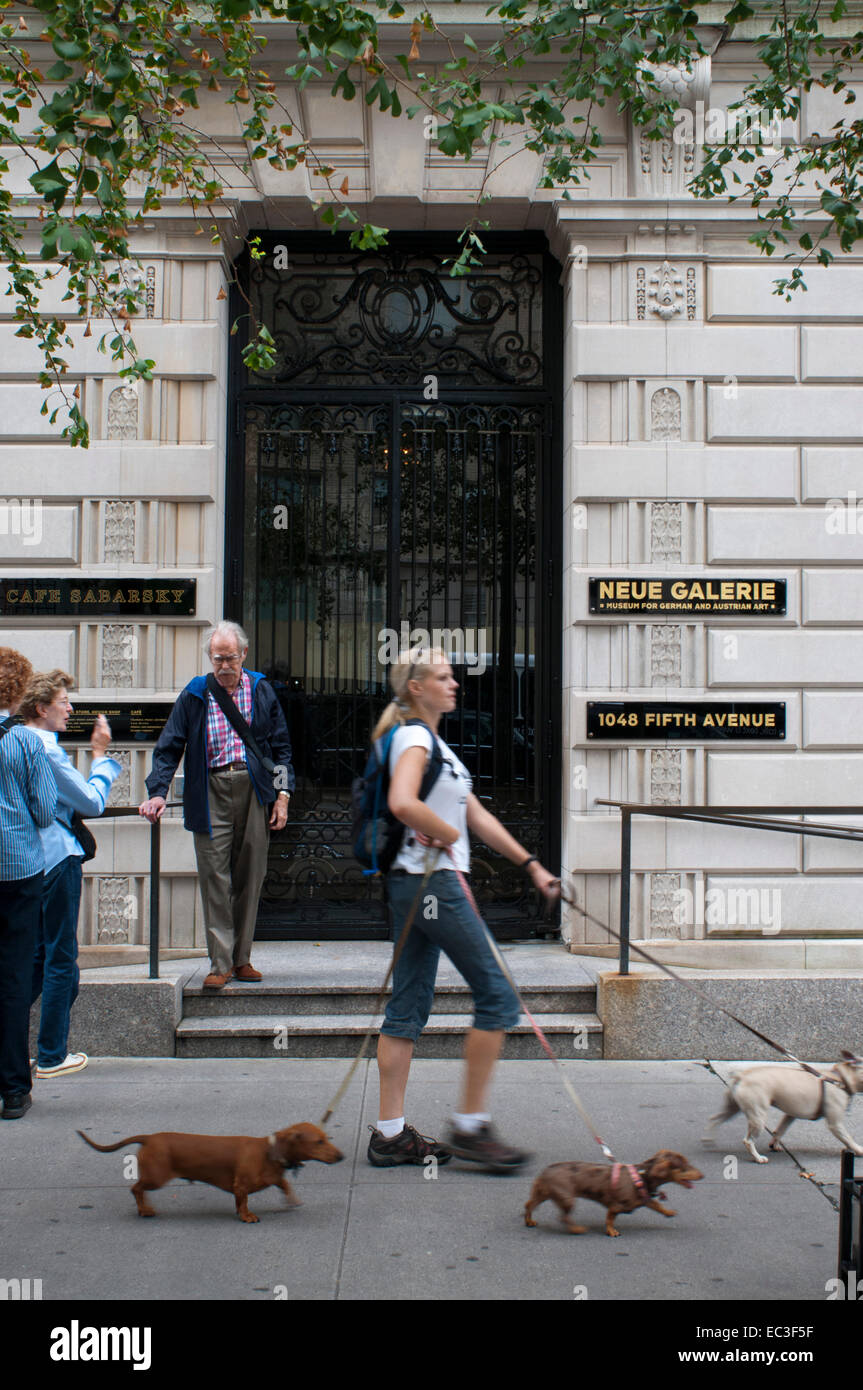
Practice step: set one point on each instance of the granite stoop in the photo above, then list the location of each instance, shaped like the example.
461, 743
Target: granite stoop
318, 1002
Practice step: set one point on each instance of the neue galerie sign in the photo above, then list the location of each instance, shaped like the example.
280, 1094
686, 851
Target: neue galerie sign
735, 597
94, 598
685, 721
140, 723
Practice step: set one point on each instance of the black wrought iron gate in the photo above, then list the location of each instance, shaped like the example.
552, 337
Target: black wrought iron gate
395, 475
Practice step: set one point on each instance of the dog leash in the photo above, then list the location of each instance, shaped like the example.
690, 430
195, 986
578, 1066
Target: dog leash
431, 856
693, 988
541, 1038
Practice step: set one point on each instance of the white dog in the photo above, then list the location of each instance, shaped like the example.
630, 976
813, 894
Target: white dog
799, 1094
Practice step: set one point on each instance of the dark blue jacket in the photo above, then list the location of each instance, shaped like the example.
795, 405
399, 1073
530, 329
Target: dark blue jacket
186, 731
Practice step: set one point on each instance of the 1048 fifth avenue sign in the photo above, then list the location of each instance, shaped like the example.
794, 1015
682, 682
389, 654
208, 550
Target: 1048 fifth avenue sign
95, 598
685, 722
711, 597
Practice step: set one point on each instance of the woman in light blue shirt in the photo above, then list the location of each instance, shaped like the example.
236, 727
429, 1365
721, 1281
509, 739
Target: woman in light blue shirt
45, 708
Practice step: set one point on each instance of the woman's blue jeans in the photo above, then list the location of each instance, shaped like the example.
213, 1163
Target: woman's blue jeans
444, 921
55, 966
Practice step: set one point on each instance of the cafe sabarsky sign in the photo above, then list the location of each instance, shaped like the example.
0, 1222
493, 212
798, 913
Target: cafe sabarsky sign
99, 597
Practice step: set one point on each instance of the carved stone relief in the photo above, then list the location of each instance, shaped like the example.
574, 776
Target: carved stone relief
121, 793
119, 646
663, 903
665, 643
666, 531
690, 292
640, 292
665, 295
150, 291
115, 911
123, 413
665, 414
662, 167
119, 531
665, 776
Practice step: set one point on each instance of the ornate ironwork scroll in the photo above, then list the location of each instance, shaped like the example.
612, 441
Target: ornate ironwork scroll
392, 318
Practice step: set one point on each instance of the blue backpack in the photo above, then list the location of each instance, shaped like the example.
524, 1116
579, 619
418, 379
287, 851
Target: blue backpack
377, 834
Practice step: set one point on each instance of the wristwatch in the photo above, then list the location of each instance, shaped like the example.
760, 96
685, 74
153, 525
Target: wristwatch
286, 795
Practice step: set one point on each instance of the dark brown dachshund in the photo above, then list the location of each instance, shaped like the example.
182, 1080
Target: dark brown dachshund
619, 1187
236, 1163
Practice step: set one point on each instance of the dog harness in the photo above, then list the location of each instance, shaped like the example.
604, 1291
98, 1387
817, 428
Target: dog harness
833, 1081
636, 1178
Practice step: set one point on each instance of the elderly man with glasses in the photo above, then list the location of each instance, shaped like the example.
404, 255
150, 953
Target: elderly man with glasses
231, 798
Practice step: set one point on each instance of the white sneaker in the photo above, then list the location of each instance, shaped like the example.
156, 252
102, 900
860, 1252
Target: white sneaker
75, 1061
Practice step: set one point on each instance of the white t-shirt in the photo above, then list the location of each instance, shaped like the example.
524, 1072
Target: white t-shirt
447, 798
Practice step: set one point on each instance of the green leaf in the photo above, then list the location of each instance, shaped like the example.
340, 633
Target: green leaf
51, 184
69, 48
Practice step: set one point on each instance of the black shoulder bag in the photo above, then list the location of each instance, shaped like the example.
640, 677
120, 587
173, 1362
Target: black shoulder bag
238, 723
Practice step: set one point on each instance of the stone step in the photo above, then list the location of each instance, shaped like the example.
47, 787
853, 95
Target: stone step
236, 1000
572, 1035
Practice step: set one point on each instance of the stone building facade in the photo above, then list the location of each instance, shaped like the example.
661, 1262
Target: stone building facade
710, 431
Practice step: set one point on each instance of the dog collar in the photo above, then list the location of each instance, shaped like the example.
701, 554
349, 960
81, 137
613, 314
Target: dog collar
272, 1152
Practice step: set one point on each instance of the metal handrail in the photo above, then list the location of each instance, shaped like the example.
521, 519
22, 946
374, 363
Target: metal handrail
750, 817
155, 870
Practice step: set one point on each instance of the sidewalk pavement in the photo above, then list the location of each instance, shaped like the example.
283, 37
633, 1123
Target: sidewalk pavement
67, 1217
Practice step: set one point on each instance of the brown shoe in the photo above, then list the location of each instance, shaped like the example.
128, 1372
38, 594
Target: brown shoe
247, 972
214, 981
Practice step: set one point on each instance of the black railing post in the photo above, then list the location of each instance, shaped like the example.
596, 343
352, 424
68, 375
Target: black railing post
625, 878
155, 858
850, 1262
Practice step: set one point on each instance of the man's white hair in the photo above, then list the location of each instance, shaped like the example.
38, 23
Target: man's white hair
233, 630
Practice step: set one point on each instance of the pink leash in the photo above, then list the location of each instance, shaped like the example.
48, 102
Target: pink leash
542, 1039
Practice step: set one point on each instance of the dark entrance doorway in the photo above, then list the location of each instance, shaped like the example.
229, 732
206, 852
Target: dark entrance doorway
397, 472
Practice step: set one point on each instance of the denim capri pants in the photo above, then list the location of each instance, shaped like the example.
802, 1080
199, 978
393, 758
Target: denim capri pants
455, 930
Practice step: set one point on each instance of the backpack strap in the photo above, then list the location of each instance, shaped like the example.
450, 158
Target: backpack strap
435, 767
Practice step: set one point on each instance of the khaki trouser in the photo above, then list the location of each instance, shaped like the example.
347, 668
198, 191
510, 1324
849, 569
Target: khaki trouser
232, 865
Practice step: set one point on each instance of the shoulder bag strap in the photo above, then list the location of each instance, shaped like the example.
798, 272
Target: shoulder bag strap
236, 720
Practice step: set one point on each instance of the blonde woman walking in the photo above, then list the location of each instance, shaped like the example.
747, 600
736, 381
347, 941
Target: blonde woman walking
425, 689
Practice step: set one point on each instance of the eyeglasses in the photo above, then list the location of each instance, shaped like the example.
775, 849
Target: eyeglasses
224, 660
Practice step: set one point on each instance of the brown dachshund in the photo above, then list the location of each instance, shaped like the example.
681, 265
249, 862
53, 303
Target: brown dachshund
236, 1163
619, 1188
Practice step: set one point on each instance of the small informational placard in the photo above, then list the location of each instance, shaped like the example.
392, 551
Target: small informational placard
130, 723
685, 722
623, 596
103, 597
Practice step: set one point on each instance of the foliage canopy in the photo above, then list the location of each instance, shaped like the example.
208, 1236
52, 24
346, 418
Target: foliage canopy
99, 102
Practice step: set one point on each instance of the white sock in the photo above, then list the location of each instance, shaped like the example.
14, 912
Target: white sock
469, 1124
390, 1128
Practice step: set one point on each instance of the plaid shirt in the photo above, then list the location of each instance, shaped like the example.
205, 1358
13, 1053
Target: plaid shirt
223, 744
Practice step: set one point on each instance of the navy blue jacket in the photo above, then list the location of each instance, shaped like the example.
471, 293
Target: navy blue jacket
186, 731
